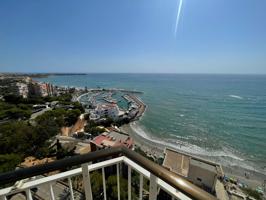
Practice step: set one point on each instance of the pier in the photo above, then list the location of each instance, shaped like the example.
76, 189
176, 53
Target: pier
116, 90
141, 105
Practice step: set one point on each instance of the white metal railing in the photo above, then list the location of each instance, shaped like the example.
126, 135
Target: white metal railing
50, 181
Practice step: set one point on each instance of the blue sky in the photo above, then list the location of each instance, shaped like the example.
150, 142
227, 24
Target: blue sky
214, 36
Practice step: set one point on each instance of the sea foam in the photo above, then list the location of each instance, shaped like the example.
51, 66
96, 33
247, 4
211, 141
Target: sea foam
235, 96
225, 157
185, 146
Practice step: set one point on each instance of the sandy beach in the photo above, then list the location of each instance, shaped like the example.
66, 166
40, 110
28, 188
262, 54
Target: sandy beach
253, 179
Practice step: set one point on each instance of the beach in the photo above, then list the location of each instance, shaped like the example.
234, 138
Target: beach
253, 178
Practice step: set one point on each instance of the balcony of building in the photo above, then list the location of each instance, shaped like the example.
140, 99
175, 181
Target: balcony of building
153, 181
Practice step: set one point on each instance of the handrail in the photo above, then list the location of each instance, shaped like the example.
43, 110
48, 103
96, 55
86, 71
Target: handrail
171, 178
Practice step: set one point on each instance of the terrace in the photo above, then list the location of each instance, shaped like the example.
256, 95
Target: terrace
120, 159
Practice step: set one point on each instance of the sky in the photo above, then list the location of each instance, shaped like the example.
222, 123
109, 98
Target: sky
133, 36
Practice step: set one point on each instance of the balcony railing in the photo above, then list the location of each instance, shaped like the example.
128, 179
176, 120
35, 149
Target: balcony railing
159, 177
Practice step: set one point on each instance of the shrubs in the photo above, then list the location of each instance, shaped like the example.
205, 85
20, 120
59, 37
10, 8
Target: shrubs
71, 116
16, 107
9, 161
11, 111
60, 116
252, 193
13, 99
111, 186
19, 139
23, 139
93, 129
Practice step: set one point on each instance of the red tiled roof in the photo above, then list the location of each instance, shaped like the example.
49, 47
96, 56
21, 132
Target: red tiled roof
98, 140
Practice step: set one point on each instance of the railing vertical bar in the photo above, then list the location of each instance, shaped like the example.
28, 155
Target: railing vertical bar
86, 181
104, 186
129, 182
118, 181
71, 188
51, 191
3, 198
28, 194
153, 187
140, 186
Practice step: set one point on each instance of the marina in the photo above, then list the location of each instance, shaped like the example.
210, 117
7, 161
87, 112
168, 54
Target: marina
118, 104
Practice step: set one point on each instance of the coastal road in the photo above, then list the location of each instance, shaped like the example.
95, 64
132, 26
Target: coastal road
71, 139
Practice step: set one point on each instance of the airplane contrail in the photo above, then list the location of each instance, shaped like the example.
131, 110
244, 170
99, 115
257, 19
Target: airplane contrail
178, 15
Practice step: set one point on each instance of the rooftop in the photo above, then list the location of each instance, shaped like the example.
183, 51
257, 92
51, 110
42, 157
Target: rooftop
106, 105
112, 139
180, 163
203, 165
83, 148
176, 162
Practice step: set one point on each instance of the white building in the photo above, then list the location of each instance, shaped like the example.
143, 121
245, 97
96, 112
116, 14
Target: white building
94, 116
23, 89
108, 110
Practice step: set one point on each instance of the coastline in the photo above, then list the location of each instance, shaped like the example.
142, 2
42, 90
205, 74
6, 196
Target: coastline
157, 150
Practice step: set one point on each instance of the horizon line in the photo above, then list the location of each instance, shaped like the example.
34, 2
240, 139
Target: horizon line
87, 73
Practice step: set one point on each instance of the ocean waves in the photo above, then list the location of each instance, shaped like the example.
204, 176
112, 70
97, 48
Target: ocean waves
180, 144
235, 96
226, 156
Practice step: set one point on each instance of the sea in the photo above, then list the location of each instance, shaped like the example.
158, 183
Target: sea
219, 116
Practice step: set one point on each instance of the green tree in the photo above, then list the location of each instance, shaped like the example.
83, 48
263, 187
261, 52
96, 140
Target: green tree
57, 116
91, 123
12, 111
111, 188
93, 130
18, 137
97, 185
87, 116
9, 161
71, 117
14, 99
16, 113
78, 106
